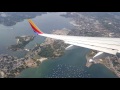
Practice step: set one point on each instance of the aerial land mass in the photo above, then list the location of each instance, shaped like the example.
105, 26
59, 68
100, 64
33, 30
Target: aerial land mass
112, 62
85, 24
11, 66
97, 25
22, 41
11, 18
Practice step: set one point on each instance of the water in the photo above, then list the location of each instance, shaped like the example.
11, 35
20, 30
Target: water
70, 65
46, 23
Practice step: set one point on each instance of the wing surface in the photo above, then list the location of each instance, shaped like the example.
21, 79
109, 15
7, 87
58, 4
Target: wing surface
103, 44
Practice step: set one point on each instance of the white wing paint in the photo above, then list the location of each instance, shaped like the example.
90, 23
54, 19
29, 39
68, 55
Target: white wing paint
102, 44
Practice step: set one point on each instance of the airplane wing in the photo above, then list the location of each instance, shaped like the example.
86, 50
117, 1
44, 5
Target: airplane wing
103, 44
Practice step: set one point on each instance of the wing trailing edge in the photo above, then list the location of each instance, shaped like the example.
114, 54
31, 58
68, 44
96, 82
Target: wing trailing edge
107, 45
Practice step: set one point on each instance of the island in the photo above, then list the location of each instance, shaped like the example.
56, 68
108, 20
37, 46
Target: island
22, 41
11, 67
85, 24
51, 48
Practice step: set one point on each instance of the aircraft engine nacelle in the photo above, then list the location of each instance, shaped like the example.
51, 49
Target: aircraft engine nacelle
70, 47
98, 56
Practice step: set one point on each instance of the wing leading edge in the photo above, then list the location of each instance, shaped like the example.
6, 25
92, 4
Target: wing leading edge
107, 45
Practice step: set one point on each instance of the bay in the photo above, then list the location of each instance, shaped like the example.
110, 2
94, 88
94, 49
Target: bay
70, 65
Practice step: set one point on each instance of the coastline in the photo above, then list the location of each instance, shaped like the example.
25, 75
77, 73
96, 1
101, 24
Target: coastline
33, 58
85, 28
94, 27
21, 42
88, 57
107, 62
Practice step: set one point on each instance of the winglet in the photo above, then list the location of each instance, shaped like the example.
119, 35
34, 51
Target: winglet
34, 27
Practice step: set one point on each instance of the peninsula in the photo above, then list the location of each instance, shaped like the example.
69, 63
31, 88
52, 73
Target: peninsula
112, 62
11, 67
97, 25
22, 41
85, 24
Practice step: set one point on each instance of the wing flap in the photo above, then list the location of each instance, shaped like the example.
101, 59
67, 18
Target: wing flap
105, 44
98, 48
108, 45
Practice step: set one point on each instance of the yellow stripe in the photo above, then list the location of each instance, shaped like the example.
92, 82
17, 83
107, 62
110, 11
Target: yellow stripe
30, 21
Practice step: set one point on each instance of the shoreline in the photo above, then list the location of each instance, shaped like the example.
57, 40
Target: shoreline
34, 56
21, 42
84, 26
106, 62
